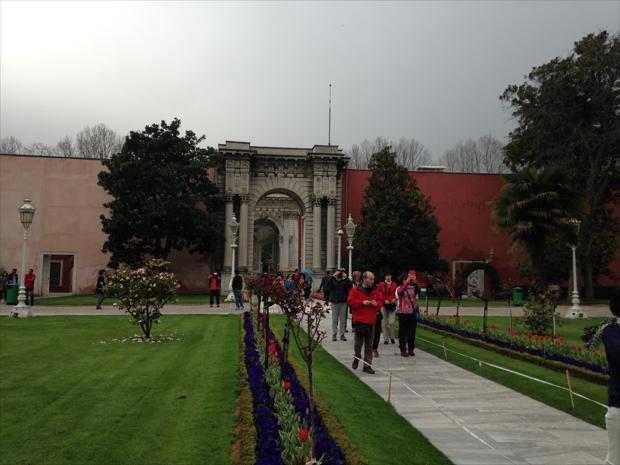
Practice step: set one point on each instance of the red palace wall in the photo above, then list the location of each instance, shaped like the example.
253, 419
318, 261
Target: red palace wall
461, 207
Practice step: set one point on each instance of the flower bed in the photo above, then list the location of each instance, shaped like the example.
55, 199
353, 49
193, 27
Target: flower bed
271, 410
557, 352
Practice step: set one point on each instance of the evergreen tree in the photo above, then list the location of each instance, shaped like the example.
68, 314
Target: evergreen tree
398, 230
162, 197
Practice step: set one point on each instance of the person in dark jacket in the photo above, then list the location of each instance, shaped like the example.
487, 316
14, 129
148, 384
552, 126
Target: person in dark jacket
102, 280
364, 301
237, 287
337, 288
323, 286
611, 340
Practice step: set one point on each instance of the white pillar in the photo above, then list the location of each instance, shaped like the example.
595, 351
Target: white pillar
243, 234
228, 234
331, 230
302, 252
316, 234
284, 245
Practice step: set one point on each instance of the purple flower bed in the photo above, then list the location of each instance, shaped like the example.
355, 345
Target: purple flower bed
514, 346
325, 445
268, 446
268, 450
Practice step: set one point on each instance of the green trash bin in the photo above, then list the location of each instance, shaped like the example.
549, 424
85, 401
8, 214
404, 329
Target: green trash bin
11, 294
517, 296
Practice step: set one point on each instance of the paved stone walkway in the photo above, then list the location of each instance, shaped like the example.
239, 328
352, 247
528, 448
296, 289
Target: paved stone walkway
472, 420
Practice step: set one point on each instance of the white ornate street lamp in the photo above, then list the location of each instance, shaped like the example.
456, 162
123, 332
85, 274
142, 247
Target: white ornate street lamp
26, 214
340, 233
234, 229
350, 227
575, 311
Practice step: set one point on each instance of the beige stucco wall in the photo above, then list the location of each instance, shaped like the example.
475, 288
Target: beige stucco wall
68, 203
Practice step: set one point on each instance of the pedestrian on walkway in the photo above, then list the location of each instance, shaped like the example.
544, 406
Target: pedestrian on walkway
364, 301
12, 278
408, 311
215, 287
337, 288
29, 280
387, 289
356, 279
102, 280
289, 283
237, 287
611, 340
323, 286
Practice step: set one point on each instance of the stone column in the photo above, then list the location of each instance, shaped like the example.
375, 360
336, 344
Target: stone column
286, 245
331, 232
316, 234
243, 234
227, 234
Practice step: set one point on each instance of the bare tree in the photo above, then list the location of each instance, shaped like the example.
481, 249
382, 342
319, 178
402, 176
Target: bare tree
66, 148
11, 145
39, 148
98, 142
409, 152
486, 155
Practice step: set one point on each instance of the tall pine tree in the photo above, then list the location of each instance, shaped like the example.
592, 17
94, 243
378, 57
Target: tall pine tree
397, 231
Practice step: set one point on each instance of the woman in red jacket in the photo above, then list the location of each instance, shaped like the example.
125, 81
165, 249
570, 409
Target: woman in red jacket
387, 289
215, 287
29, 285
364, 301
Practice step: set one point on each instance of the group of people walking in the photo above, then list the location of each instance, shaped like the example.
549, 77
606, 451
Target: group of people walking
374, 309
12, 279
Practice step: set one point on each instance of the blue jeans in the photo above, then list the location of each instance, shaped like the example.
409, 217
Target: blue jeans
238, 298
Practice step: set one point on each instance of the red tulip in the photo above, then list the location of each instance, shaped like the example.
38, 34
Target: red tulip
303, 434
286, 384
272, 349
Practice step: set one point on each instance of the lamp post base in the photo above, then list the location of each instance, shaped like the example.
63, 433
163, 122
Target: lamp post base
575, 312
21, 311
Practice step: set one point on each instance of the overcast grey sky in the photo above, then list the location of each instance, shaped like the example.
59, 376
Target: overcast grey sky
260, 72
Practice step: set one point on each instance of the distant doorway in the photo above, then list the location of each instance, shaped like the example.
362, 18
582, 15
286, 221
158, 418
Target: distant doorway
58, 274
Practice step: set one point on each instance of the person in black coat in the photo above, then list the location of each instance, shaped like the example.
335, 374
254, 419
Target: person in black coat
237, 287
338, 288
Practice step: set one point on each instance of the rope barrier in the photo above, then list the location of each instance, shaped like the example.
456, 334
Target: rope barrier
508, 370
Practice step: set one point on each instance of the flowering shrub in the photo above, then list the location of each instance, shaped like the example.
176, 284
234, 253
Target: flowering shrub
538, 311
142, 292
556, 350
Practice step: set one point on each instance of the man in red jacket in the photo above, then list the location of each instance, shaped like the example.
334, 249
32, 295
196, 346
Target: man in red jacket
364, 301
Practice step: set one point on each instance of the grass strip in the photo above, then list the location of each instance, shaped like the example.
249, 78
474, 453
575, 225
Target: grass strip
67, 398
377, 431
549, 395
244, 446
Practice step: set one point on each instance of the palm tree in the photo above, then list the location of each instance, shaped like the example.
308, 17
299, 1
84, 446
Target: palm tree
533, 207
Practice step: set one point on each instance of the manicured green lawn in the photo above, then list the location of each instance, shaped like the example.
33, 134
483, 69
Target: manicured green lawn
380, 434
549, 395
66, 398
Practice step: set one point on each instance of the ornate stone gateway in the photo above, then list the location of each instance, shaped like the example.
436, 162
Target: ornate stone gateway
288, 202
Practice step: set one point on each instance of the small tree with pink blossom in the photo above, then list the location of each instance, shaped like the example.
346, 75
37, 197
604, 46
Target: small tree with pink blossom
143, 291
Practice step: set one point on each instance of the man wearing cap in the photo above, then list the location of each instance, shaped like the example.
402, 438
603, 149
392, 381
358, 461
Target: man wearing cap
364, 301
337, 288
